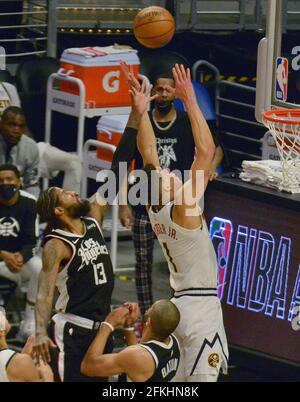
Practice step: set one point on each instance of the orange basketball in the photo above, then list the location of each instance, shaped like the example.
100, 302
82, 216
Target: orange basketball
154, 27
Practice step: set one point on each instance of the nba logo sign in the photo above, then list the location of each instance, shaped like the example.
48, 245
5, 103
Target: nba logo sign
282, 67
221, 235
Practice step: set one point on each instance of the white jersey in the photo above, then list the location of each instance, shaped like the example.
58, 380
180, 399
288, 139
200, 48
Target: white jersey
190, 253
193, 276
5, 357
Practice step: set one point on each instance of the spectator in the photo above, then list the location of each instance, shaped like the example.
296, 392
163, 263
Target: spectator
18, 149
18, 236
51, 159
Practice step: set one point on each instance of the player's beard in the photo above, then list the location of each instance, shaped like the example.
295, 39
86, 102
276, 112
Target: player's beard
164, 107
81, 209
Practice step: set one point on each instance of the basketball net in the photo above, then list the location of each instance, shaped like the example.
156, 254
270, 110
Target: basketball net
285, 128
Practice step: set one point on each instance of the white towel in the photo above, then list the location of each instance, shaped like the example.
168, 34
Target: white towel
97, 51
266, 173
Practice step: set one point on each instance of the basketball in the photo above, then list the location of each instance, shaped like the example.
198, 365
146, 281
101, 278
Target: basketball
154, 27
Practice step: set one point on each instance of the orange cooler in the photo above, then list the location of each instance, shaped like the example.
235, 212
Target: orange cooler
104, 81
110, 129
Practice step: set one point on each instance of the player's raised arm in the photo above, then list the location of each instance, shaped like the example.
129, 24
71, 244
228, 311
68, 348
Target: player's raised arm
146, 142
203, 139
140, 98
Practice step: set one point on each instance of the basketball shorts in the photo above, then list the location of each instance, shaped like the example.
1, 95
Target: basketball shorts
72, 343
201, 335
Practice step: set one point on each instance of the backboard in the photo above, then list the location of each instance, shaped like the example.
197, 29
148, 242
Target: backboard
278, 59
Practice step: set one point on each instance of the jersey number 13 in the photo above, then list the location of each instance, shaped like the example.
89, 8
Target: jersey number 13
99, 274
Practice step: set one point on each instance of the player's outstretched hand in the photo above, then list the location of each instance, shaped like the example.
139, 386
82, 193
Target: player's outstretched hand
184, 89
130, 77
141, 97
41, 348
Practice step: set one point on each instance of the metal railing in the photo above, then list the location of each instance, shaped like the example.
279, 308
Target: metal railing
240, 133
201, 15
39, 19
28, 28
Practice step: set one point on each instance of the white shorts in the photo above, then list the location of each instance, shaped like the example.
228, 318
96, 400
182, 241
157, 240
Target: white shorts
201, 336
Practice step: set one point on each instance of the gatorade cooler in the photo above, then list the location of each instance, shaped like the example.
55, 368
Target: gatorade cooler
110, 129
99, 69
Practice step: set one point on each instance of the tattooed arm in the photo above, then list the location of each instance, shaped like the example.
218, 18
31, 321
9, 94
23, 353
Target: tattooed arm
54, 252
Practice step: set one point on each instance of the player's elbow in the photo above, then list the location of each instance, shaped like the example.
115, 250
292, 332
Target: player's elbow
86, 366
90, 367
211, 149
207, 153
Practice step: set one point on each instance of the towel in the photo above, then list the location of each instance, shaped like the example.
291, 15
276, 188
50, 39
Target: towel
96, 51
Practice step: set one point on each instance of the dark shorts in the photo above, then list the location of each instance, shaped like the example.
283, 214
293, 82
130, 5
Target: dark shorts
72, 343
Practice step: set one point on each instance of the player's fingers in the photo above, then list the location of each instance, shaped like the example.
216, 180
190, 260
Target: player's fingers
183, 72
135, 83
169, 89
38, 353
133, 91
188, 74
153, 97
143, 87
175, 75
45, 353
128, 306
178, 71
124, 68
33, 353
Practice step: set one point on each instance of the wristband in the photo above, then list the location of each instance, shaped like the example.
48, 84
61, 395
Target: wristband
108, 325
128, 329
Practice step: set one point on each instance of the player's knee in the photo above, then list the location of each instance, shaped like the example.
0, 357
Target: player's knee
75, 165
35, 265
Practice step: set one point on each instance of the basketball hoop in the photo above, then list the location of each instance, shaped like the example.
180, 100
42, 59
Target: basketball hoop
284, 124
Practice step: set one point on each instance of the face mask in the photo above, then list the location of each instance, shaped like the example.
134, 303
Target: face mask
164, 107
7, 191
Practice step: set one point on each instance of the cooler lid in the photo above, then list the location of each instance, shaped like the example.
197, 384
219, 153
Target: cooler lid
99, 56
113, 123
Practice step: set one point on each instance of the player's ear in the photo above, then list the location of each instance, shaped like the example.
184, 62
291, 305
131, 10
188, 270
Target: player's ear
148, 322
58, 211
